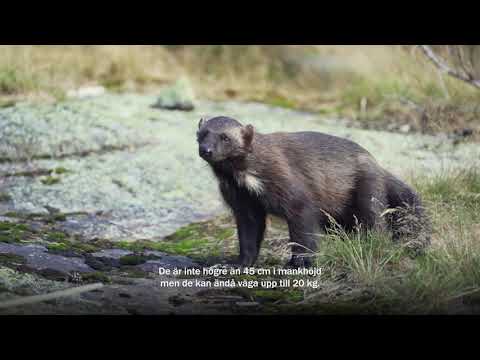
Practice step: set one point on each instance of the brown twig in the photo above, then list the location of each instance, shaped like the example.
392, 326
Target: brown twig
444, 67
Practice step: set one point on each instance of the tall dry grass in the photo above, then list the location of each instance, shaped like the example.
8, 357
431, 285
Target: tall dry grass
366, 83
443, 279
46, 70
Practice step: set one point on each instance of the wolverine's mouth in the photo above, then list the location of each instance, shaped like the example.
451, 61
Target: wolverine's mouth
205, 153
207, 157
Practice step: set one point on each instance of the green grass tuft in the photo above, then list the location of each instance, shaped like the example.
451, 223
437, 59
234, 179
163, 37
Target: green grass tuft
50, 180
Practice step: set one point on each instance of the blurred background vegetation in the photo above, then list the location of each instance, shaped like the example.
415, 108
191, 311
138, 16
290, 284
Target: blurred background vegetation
385, 86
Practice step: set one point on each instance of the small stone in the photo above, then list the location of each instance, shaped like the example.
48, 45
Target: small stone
405, 128
158, 254
180, 96
112, 253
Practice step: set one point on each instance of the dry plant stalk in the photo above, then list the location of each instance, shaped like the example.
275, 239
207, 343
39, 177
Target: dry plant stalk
52, 296
465, 71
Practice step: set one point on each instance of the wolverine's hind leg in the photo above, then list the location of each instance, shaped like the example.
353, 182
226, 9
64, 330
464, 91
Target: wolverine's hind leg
368, 204
304, 230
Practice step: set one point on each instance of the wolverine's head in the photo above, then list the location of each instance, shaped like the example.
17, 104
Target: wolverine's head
222, 138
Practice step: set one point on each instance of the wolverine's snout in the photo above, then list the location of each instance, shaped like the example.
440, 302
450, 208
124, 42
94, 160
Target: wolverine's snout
205, 152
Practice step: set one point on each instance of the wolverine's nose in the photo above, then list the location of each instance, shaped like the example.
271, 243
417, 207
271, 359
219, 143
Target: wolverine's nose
205, 152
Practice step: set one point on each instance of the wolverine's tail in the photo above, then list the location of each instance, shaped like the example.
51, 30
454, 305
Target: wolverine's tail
400, 194
408, 220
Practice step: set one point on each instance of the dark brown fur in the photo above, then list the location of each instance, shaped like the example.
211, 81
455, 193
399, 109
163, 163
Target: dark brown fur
300, 177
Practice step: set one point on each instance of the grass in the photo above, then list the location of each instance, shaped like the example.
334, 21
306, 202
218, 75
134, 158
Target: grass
371, 274
367, 83
360, 274
446, 275
199, 241
27, 70
13, 233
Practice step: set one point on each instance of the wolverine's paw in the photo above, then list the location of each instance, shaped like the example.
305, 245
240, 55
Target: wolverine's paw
296, 262
246, 261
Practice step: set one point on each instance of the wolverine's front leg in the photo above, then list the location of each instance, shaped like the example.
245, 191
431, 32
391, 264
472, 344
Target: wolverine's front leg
251, 230
250, 217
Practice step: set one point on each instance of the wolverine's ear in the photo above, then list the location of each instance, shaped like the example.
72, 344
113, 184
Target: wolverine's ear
201, 122
247, 133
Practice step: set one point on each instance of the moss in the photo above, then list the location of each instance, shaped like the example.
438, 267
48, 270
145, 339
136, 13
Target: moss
57, 246
49, 218
132, 260
133, 273
198, 240
136, 246
188, 247
6, 239
56, 236
94, 277
99, 244
184, 233
13, 214
40, 172
224, 234
8, 226
84, 247
11, 260
50, 180
4, 197
12, 233
61, 170
31, 173
60, 242
58, 217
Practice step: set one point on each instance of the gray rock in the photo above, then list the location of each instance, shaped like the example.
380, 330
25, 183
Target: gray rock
39, 259
112, 253
168, 262
155, 253
148, 192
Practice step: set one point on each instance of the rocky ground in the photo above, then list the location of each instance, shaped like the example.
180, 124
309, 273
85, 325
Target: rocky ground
107, 189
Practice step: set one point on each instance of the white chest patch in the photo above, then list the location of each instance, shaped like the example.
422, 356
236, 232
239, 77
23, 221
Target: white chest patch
250, 181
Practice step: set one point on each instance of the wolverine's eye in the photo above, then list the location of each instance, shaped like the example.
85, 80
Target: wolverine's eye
201, 135
224, 138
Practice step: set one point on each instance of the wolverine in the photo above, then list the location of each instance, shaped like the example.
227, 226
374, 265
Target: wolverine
306, 178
